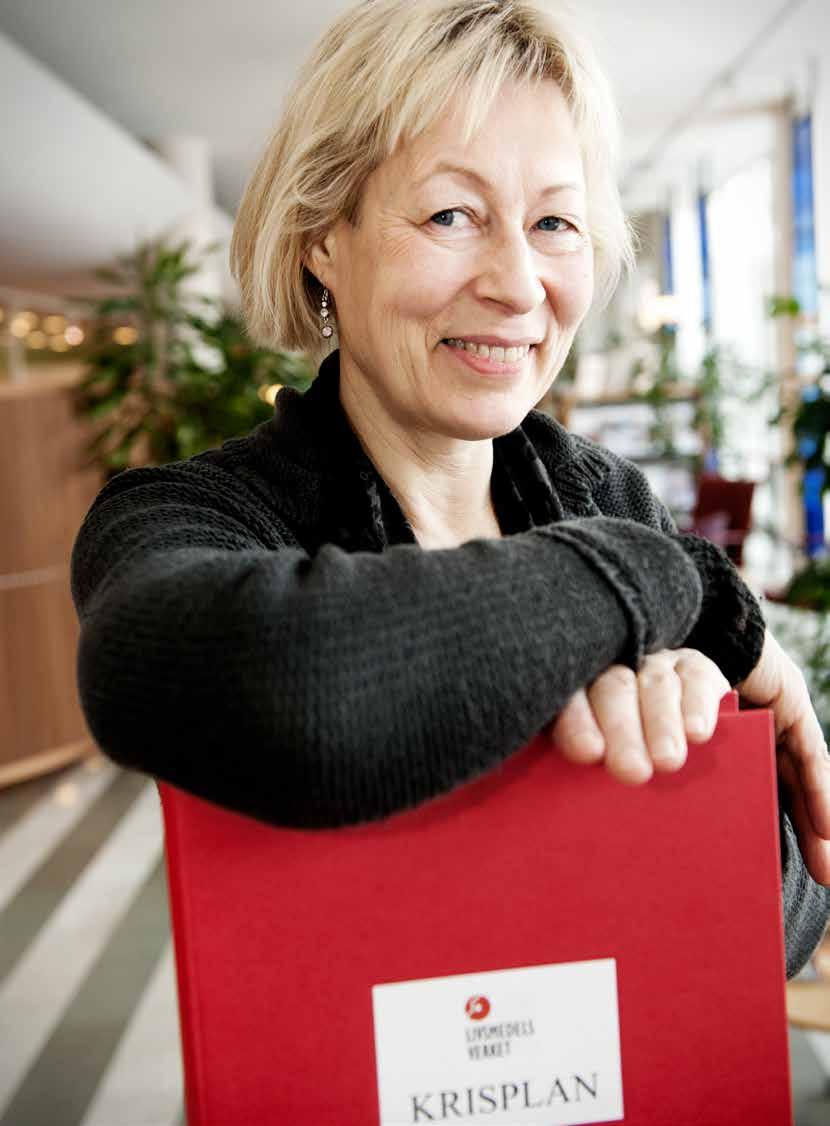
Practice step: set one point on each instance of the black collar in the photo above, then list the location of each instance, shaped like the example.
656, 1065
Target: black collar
330, 491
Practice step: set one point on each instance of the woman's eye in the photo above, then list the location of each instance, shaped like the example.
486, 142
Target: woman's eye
457, 217
560, 223
445, 218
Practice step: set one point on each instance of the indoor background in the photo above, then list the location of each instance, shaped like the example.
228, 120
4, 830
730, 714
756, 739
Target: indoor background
128, 132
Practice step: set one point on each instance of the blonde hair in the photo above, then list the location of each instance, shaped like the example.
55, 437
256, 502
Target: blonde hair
379, 75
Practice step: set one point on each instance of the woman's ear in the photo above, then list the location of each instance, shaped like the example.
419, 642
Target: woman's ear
321, 259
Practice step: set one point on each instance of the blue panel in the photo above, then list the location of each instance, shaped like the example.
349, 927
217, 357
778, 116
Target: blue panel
805, 290
814, 510
668, 265
805, 286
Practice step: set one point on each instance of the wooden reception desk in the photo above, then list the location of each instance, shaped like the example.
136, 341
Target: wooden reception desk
44, 495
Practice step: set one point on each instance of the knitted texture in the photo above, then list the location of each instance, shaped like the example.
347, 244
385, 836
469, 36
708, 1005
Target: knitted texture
730, 626
260, 627
730, 623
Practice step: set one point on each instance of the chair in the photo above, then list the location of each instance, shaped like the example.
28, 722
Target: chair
723, 513
331, 977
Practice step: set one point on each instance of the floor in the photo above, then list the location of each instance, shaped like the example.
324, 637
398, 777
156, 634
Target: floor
88, 1017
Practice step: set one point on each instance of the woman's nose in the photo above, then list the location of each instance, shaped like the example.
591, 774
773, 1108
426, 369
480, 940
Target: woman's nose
508, 274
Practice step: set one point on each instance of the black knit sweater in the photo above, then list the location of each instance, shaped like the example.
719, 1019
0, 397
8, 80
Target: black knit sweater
260, 627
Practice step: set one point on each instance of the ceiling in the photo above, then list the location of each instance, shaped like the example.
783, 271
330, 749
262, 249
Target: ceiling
219, 70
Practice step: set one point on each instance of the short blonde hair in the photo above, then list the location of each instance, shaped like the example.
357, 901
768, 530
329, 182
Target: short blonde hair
379, 75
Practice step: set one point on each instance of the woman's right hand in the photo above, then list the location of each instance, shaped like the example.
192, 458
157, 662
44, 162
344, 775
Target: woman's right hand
640, 722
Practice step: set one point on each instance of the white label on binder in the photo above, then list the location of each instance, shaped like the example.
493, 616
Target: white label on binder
535, 1044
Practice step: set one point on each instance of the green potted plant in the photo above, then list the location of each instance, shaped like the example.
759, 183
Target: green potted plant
810, 415
171, 374
664, 377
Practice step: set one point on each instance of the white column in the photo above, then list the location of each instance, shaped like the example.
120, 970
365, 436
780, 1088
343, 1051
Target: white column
189, 157
791, 505
688, 278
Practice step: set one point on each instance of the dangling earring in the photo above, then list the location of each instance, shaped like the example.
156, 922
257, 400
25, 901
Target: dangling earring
326, 329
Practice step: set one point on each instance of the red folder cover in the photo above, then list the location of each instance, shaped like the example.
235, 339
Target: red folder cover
280, 934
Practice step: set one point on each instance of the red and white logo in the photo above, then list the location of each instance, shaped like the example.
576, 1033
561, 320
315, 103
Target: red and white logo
477, 1008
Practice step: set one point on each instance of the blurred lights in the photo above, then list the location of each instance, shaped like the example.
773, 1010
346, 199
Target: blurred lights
125, 334
269, 394
55, 331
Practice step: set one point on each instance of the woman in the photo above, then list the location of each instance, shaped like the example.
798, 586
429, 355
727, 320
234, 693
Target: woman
408, 572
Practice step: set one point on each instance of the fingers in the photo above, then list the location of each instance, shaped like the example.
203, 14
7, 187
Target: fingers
806, 747
576, 732
638, 722
661, 694
814, 847
799, 732
614, 698
703, 687
646, 717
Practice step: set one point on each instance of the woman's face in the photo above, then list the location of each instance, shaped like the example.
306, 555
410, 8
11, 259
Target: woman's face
460, 288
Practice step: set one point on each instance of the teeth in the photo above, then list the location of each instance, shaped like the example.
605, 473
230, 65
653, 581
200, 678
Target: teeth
499, 354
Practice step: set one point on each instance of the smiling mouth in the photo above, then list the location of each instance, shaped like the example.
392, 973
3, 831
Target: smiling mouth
491, 352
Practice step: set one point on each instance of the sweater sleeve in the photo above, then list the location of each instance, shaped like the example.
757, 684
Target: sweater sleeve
730, 627
322, 690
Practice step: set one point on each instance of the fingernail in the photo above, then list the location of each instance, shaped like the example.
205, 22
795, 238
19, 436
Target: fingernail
697, 725
665, 750
638, 766
588, 743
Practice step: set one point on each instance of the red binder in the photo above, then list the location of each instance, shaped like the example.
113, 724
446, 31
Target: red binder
281, 934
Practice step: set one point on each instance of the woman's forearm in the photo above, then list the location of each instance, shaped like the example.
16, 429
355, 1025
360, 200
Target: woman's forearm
341, 687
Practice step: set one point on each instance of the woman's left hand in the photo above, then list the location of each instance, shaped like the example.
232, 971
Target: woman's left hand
777, 683
621, 717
